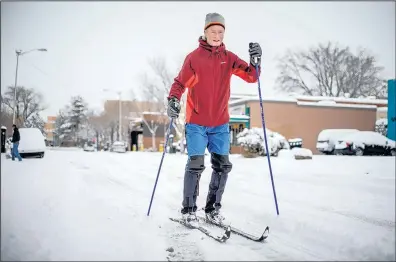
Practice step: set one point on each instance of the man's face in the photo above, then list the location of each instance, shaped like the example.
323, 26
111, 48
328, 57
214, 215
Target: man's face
214, 35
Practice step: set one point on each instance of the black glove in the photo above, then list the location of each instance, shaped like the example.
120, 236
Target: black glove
173, 107
255, 51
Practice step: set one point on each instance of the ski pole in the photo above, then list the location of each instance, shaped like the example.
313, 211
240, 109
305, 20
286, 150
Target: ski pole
159, 169
265, 134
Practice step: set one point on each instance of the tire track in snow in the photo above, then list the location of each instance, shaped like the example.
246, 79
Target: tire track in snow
113, 173
185, 248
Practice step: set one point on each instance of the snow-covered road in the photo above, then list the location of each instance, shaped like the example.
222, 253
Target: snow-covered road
75, 205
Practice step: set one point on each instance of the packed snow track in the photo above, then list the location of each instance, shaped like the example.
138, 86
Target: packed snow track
75, 205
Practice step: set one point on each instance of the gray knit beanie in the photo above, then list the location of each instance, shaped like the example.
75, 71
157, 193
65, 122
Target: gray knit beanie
214, 19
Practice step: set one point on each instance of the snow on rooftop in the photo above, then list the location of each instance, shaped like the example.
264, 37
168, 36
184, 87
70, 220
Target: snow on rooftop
336, 105
316, 101
344, 99
243, 98
265, 99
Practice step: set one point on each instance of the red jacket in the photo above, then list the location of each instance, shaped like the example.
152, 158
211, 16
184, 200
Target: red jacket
206, 73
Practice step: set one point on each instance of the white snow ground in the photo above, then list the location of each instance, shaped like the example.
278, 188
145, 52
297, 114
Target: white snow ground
75, 205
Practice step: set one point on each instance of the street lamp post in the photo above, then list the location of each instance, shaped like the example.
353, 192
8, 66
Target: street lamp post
19, 53
119, 115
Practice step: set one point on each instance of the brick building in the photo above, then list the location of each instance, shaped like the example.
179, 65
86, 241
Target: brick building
49, 128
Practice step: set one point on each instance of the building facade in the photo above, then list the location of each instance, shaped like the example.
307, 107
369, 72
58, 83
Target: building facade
293, 117
305, 117
49, 128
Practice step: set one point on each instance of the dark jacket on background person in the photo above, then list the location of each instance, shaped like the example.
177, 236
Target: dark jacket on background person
16, 136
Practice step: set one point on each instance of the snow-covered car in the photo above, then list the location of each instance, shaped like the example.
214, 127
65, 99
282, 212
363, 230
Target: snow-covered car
89, 147
327, 139
32, 142
365, 143
119, 147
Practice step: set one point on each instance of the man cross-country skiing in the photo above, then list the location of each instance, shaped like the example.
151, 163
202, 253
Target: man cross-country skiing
206, 72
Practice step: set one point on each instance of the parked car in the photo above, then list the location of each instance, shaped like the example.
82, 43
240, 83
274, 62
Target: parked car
119, 147
365, 143
89, 147
327, 139
32, 142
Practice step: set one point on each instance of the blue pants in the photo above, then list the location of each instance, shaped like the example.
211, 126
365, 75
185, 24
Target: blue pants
15, 152
217, 140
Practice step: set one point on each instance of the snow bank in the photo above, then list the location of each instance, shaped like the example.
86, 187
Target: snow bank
296, 153
302, 153
285, 153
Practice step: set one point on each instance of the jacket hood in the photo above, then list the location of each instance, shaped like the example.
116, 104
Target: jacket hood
205, 45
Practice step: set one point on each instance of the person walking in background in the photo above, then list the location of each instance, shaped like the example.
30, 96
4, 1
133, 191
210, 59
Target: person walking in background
16, 137
206, 73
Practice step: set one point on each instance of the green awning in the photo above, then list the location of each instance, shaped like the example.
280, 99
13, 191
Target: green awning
239, 120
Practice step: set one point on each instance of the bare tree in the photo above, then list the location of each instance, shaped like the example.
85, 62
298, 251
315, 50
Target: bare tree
29, 103
36, 121
110, 117
100, 123
330, 70
156, 89
5, 116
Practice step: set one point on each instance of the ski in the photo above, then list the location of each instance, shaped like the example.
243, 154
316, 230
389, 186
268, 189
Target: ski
237, 231
221, 239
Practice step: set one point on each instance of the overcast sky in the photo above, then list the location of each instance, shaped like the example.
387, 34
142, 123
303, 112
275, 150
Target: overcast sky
97, 45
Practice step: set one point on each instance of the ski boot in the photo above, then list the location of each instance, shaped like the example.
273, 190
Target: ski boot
215, 217
190, 218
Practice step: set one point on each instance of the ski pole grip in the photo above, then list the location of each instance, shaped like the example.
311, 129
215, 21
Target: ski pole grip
255, 58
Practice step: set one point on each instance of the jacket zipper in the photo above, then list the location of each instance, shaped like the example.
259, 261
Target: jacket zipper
214, 61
